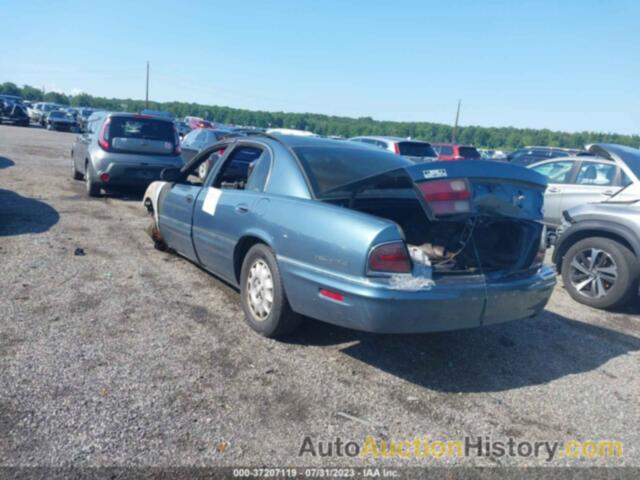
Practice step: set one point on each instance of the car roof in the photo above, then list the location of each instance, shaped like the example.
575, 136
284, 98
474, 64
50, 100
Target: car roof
390, 138
570, 159
293, 141
452, 145
138, 115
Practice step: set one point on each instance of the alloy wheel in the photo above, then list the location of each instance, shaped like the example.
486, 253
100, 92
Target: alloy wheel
593, 272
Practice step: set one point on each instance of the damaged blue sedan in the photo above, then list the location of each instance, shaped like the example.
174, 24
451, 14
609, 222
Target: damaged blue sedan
356, 236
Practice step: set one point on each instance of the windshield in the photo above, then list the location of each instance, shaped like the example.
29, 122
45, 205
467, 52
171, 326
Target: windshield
331, 167
57, 114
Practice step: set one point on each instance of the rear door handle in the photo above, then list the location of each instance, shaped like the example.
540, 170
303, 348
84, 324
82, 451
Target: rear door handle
608, 193
553, 190
242, 208
189, 198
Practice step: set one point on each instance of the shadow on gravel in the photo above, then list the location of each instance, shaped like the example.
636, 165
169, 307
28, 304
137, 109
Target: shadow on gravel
19, 215
491, 359
6, 162
126, 194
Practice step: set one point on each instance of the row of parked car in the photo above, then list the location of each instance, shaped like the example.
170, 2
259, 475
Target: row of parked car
455, 243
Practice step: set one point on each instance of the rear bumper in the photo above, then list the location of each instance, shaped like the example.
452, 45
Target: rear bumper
62, 126
132, 170
453, 303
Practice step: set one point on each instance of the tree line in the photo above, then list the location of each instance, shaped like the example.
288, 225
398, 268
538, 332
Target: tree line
506, 138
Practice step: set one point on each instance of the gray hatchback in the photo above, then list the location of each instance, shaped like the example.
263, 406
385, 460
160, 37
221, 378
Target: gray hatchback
124, 150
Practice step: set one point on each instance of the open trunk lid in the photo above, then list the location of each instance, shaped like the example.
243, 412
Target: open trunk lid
480, 188
466, 187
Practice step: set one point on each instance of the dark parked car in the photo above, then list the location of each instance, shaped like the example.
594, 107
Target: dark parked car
182, 128
196, 141
528, 155
124, 149
598, 249
82, 117
13, 112
60, 120
357, 236
454, 151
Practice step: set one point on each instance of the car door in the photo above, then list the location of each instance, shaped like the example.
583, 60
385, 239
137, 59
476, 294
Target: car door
81, 148
559, 174
176, 215
232, 202
595, 181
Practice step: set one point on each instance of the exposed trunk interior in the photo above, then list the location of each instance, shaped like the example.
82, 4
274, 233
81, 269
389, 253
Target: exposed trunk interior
461, 245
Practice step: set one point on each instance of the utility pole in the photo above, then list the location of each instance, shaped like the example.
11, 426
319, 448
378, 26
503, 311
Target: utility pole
146, 98
455, 125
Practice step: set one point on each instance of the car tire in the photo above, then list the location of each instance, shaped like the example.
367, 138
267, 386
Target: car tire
260, 280
154, 233
93, 188
74, 171
614, 277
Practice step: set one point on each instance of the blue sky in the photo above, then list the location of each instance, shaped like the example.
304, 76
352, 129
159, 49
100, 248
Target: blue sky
566, 65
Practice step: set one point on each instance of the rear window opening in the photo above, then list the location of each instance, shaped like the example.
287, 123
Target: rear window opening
141, 135
416, 149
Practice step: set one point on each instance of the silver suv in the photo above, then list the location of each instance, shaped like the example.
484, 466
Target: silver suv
598, 249
124, 150
415, 150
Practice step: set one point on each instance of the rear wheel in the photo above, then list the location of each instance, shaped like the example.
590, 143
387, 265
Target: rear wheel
93, 188
262, 294
600, 272
74, 171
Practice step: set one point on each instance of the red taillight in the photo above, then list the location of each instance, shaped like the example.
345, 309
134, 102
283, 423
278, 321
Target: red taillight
332, 295
447, 196
396, 148
103, 141
390, 257
105, 177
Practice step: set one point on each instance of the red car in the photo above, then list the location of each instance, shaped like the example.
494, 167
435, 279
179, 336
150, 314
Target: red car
197, 122
455, 151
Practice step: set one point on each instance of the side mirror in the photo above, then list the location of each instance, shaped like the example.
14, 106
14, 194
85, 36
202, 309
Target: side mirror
171, 175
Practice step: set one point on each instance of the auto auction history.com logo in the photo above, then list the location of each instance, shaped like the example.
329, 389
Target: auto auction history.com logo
424, 447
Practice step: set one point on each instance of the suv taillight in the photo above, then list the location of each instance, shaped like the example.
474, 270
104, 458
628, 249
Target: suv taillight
447, 196
390, 258
103, 141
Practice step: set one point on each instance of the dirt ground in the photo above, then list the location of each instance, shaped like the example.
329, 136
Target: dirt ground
124, 355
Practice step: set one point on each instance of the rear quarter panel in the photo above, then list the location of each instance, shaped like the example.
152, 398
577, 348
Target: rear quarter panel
325, 236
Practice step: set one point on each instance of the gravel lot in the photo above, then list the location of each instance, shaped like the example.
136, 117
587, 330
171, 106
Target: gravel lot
129, 356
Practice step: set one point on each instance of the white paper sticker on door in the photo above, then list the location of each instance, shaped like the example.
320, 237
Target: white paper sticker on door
211, 200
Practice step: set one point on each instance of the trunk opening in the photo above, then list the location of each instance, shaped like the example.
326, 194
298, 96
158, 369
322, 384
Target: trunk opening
462, 244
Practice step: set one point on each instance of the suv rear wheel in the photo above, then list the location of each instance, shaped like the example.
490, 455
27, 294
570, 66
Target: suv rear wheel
600, 272
93, 188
